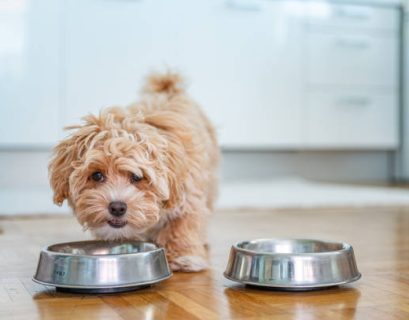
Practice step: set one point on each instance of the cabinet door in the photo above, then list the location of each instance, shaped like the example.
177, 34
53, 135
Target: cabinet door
352, 119
242, 60
346, 59
29, 72
252, 79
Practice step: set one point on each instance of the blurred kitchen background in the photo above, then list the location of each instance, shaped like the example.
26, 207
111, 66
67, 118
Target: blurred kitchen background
308, 97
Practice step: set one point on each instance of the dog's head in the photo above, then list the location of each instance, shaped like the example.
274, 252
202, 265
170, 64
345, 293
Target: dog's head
117, 171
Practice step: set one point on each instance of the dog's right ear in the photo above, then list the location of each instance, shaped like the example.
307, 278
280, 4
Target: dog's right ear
61, 167
68, 154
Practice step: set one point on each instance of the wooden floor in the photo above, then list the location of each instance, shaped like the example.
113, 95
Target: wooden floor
380, 238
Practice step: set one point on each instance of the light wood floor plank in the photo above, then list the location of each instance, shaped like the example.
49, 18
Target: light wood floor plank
380, 237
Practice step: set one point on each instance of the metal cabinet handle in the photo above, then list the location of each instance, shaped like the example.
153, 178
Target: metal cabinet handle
352, 44
353, 101
243, 5
348, 14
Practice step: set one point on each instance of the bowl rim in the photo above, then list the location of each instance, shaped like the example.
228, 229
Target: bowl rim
345, 247
47, 250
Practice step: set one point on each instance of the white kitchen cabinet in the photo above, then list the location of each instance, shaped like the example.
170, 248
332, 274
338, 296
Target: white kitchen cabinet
256, 67
352, 77
268, 73
352, 59
29, 72
357, 119
244, 61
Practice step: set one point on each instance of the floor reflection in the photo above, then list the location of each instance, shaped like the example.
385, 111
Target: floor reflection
145, 305
317, 304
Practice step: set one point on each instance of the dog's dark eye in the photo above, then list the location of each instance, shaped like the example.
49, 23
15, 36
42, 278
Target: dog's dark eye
135, 178
98, 176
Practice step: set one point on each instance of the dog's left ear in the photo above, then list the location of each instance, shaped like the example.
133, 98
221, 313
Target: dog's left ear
177, 161
61, 167
175, 180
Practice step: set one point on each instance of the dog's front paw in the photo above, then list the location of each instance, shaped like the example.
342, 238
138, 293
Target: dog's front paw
188, 264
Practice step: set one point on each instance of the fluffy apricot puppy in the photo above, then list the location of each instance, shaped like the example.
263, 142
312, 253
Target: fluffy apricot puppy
145, 172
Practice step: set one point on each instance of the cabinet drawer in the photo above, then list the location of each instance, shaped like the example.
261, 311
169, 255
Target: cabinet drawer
352, 17
342, 59
350, 119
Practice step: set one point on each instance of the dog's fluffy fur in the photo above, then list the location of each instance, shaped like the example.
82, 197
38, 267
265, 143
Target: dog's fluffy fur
167, 140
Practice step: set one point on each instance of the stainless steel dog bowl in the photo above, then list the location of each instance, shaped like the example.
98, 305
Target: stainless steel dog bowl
292, 264
99, 266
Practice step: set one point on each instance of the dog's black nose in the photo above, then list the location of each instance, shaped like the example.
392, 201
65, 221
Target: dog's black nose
117, 208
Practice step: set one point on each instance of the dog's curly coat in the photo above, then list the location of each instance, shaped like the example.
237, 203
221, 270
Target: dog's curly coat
158, 156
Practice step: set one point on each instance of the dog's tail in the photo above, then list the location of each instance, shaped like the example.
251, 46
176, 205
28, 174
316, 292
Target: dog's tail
169, 83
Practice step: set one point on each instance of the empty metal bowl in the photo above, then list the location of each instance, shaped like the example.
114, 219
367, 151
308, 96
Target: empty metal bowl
99, 266
292, 264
